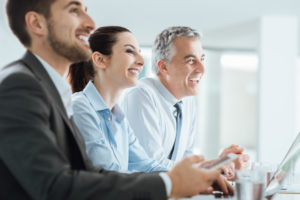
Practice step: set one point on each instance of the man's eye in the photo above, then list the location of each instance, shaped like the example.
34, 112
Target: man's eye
191, 61
75, 10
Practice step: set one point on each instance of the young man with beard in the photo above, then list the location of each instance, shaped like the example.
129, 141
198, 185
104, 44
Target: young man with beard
42, 153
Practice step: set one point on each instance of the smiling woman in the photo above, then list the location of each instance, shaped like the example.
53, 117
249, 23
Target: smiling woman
115, 65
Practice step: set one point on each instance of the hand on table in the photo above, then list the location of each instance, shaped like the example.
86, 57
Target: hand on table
221, 184
242, 162
188, 180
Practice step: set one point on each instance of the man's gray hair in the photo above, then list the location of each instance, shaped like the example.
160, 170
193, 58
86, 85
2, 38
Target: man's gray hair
163, 43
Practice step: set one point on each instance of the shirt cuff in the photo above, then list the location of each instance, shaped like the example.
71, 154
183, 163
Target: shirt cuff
168, 183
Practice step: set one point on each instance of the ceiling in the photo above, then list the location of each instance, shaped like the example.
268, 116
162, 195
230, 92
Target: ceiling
224, 23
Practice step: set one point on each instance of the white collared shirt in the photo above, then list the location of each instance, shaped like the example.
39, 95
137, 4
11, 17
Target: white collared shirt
61, 85
149, 108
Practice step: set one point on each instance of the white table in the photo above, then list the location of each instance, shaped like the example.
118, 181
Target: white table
279, 196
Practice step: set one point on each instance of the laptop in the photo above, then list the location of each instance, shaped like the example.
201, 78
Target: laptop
278, 178
284, 169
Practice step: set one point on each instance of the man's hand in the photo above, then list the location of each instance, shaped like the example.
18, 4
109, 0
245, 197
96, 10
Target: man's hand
242, 162
223, 185
188, 180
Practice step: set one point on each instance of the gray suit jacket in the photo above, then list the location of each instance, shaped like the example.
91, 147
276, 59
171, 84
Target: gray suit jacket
42, 153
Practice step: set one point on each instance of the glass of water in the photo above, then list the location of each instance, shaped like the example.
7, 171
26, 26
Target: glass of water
250, 184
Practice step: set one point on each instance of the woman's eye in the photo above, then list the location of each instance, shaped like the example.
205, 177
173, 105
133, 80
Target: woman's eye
129, 51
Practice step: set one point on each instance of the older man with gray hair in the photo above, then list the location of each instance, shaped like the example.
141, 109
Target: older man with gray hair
162, 110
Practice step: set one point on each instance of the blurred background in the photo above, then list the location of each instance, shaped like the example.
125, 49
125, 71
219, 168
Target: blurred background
250, 94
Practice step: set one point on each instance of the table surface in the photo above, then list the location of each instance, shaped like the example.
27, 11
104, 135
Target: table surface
277, 197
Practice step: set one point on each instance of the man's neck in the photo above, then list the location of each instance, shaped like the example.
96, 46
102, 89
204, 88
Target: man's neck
169, 87
58, 63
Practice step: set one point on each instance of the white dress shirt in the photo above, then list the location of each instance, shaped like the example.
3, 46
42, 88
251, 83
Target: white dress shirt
149, 108
61, 85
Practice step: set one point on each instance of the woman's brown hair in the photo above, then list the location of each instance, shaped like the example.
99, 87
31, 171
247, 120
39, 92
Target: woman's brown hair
102, 40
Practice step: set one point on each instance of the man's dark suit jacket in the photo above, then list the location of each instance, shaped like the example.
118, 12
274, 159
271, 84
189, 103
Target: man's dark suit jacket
42, 153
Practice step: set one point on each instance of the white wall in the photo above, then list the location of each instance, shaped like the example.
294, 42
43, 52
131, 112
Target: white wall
238, 108
277, 86
10, 48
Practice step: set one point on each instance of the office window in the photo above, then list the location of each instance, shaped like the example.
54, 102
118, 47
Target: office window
146, 53
238, 100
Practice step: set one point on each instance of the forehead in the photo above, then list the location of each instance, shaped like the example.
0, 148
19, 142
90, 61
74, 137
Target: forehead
126, 38
184, 46
63, 4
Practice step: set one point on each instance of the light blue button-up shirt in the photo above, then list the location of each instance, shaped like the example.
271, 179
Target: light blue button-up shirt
110, 141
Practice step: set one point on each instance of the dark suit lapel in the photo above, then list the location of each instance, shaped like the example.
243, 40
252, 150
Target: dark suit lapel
37, 68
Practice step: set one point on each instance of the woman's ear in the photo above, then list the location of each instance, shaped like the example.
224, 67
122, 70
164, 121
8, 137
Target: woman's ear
36, 24
99, 60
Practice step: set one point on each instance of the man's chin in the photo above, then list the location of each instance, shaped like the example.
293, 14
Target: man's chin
193, 92
80, 55
85, 51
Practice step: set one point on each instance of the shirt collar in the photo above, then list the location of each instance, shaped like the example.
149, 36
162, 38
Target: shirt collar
61, 85
98, 103
169, 97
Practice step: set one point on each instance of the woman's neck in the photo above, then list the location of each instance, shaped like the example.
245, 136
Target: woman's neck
109, 92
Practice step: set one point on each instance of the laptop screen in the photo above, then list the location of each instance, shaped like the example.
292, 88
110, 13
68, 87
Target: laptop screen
284, 168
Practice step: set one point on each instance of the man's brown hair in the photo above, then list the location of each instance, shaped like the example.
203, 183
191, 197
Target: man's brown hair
16, 11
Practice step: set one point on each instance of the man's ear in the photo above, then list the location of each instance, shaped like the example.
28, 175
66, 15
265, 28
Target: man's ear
99, 60
36, 23
162, 66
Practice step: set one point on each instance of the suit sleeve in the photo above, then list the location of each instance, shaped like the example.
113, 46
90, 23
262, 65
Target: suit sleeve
28, 149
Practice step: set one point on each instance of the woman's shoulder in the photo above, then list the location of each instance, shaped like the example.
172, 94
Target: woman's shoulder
80, 102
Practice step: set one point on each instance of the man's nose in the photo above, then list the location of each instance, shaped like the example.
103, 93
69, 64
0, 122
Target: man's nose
89, 22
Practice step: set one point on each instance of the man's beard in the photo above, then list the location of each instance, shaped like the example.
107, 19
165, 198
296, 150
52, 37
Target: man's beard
73, 53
